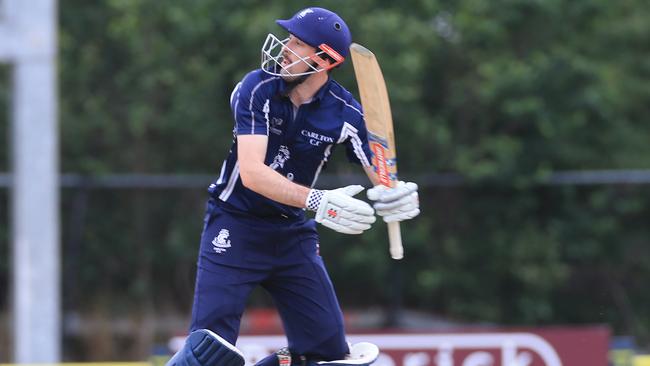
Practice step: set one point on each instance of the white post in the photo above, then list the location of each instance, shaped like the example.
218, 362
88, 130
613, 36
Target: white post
28, 39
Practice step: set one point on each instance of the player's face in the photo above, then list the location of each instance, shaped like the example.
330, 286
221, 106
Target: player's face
300, 49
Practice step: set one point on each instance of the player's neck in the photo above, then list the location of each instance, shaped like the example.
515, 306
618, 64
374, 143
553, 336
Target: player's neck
305, 91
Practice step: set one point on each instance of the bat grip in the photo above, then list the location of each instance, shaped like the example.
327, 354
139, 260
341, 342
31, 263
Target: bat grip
395, 240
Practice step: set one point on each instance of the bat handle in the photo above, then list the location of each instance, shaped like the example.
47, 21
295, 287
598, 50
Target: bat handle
395, 240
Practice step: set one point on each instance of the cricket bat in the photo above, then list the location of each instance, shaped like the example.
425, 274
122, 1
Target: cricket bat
379, 123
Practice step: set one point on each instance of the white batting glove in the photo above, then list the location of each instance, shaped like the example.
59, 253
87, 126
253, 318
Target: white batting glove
337, 210
396, 204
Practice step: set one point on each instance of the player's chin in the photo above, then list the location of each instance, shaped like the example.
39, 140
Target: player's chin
288, 76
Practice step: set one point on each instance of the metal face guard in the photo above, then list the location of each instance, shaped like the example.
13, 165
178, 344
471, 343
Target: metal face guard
272, 59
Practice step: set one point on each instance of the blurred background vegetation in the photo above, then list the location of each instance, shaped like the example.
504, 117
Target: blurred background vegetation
500, 93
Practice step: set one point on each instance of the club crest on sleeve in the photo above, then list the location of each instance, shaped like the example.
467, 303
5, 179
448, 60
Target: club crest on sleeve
221, 241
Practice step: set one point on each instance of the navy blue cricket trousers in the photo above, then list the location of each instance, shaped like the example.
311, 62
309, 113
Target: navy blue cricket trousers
240, 251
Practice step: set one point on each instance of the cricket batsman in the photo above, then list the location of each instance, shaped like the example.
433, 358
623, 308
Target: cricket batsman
289, 116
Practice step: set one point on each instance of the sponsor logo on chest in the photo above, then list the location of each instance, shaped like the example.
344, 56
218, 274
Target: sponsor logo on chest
317, 139
281, 158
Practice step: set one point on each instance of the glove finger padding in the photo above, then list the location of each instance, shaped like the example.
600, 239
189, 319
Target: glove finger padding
408, 208
365, 219
409, 200
354, 225
339, 215
396, 204
401, 216
382, 193
340, 228
342, 198
339, 211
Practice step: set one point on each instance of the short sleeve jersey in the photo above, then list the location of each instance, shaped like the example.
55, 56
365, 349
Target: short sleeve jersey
300, 140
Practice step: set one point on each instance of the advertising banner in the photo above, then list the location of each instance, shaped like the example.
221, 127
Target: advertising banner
523, 347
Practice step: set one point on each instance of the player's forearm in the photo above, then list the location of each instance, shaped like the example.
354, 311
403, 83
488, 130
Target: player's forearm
263, 180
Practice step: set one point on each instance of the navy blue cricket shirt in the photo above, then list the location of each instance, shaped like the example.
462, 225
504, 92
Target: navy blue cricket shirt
300, 140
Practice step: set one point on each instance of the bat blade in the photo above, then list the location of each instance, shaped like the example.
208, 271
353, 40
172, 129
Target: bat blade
379, 123
377, 113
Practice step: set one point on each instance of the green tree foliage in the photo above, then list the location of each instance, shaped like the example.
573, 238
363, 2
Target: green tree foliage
501, 92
